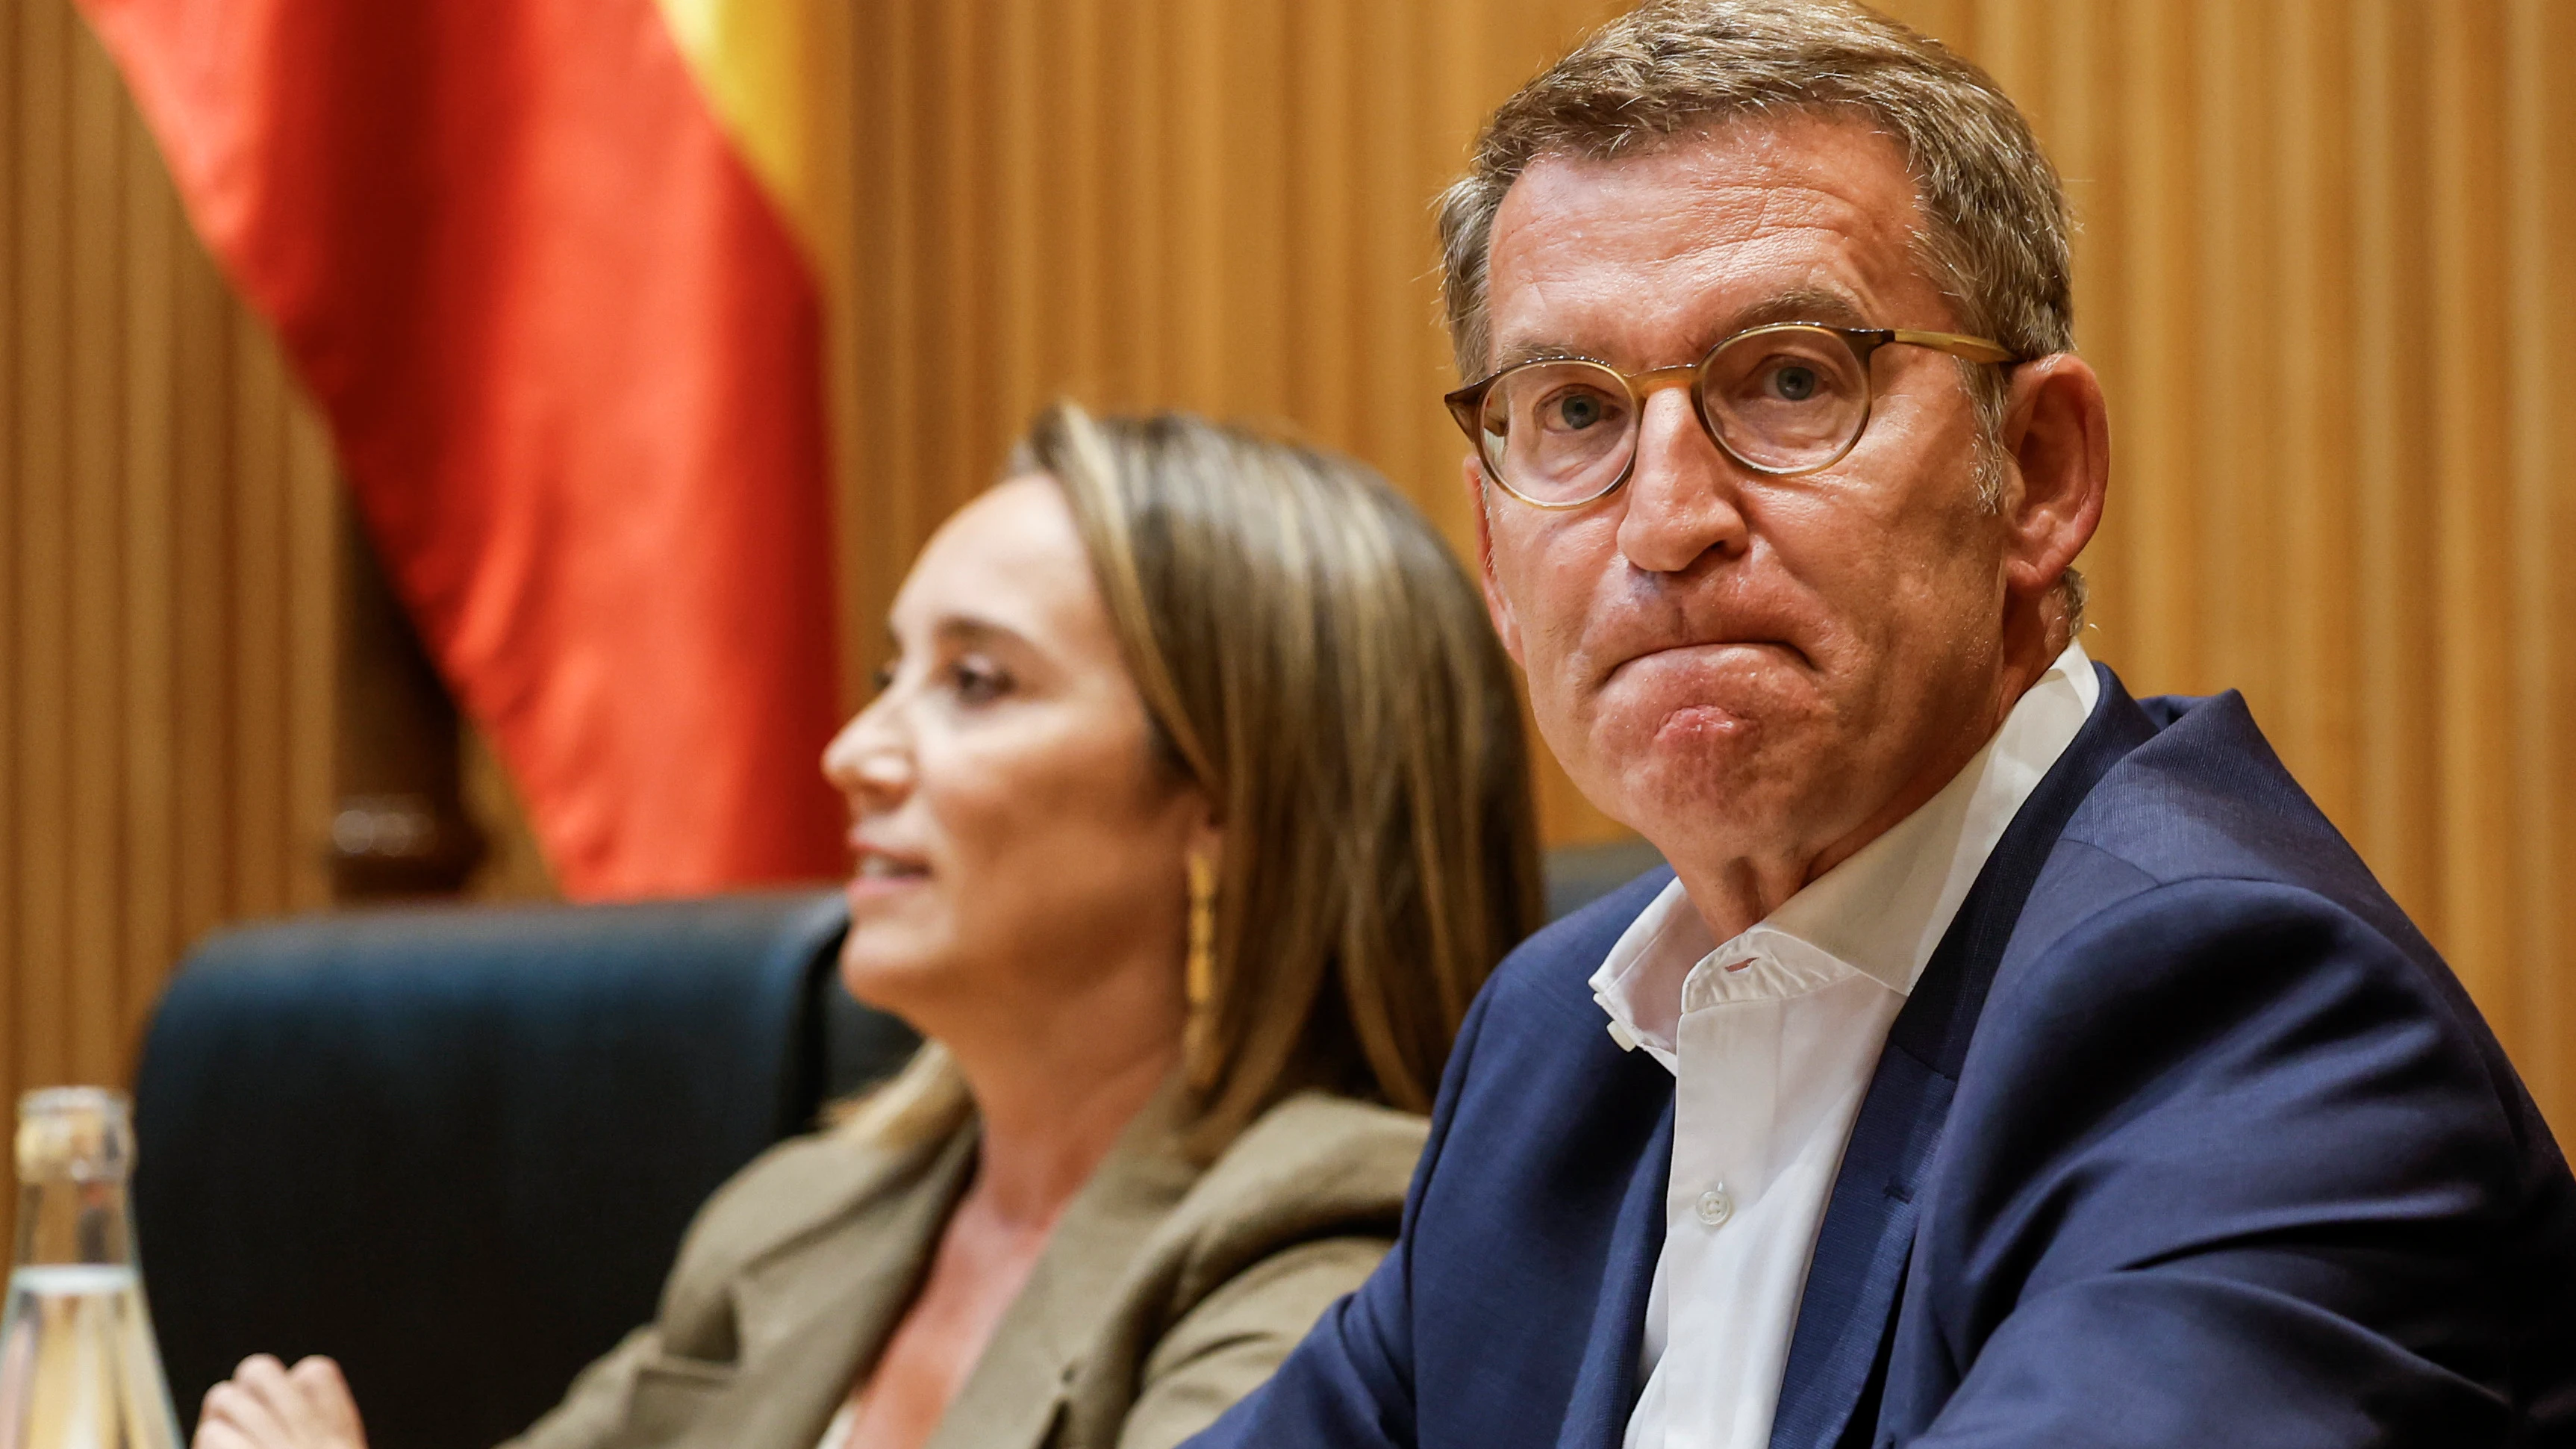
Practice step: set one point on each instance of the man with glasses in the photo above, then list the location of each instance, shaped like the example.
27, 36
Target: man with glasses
2004, 1060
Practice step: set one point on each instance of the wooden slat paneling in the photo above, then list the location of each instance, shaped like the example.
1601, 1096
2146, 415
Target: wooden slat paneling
2323, 270
166, 516
13, 894
2324, 273
42, 545
1158, 203
92, 608
2540, 300
2315, 270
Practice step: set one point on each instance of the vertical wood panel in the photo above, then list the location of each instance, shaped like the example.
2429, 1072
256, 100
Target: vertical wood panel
2311, 257
13, 211
203, 677
2394, 816
92, 608
2540, 129
1323, 360
148, 733
2301, 223
258, 842
43, 544
2152, 531
2322, 269
166, 511
309, 692
2472, 518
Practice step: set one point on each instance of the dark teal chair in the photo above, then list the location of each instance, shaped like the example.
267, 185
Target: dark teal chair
456, 1148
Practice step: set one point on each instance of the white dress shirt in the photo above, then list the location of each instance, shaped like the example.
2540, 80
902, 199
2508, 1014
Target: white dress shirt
1772, 1038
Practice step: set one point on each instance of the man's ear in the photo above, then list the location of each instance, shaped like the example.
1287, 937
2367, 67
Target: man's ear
1497, 607
2057, 432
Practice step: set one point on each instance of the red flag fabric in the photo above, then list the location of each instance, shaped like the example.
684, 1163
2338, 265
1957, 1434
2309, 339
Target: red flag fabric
572, 359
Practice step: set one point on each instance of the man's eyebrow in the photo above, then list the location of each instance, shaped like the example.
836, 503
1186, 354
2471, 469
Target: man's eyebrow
1520, 352
1798, 304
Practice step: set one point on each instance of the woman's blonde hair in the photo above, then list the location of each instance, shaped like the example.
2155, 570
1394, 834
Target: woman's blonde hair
1313, 657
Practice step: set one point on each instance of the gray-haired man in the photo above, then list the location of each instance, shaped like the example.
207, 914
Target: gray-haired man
2006, 1061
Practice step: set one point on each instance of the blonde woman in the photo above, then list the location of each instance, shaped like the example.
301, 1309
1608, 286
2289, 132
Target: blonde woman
1188, 818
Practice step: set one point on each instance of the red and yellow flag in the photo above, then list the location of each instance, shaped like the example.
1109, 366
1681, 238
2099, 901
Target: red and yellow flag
549, 269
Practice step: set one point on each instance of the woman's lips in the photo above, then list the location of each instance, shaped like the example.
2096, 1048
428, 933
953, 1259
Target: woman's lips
881, 873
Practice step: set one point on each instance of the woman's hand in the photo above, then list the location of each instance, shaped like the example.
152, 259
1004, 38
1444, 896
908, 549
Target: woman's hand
266, 1405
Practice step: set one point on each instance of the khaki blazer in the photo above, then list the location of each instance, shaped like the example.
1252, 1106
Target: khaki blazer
1166, 1292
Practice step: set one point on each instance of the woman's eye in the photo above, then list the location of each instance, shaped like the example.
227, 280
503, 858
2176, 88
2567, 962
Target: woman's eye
882, 680
977, 682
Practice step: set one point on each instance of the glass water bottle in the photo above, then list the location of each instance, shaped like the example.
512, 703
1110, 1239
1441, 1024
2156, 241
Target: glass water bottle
78, 1369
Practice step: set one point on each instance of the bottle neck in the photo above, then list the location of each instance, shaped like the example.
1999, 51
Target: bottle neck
64, 1220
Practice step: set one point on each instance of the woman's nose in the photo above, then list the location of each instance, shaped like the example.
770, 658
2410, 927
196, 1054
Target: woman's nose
868, 757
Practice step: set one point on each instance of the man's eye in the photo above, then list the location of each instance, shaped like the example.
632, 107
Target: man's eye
1795, 382
1573, 412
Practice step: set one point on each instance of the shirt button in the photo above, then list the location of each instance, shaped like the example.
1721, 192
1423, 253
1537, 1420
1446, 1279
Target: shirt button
1715, 1207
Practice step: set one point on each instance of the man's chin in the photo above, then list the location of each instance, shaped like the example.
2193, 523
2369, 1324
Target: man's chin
1692, 759
1703, 730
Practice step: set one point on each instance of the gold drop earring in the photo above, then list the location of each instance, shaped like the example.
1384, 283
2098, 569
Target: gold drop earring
1198, 980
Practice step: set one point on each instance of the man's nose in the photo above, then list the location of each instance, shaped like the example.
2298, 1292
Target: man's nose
1683, 499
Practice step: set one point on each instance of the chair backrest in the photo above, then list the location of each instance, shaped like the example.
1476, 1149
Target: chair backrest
457, 1148
1578, 875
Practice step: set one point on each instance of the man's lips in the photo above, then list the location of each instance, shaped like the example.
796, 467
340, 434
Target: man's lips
1712, 649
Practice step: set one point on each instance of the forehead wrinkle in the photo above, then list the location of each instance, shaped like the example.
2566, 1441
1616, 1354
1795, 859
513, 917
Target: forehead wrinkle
1747, 181
1716, 290
1806, 302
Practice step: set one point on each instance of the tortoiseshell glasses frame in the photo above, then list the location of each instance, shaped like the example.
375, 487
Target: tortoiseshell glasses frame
1781, 399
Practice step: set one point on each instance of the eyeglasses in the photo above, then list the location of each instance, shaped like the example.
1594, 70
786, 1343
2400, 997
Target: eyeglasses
1789, 398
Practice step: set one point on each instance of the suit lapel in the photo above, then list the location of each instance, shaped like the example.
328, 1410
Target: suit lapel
1860, 1252
1605, 1388
822, 1301
1850, 1299
1012, 1396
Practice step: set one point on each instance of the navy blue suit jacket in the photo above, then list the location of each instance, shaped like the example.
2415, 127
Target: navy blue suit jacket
2185, 1137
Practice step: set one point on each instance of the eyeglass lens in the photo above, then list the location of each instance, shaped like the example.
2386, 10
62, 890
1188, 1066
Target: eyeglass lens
1781, 399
